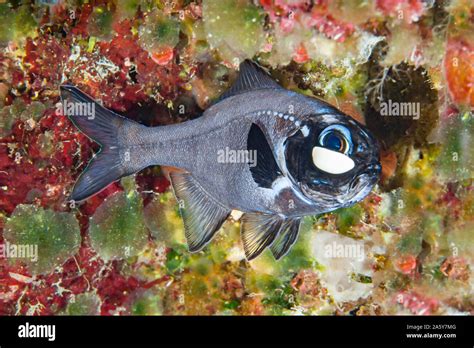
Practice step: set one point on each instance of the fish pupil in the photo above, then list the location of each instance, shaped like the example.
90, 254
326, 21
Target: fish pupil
333, 141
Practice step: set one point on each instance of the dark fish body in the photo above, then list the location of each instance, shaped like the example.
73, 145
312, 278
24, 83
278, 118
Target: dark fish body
309, 158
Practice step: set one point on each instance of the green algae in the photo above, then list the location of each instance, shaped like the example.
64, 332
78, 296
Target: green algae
352, 11
279, 300
162, 218
33, 111
46, 143
55, 234
176, 260
18, 110
348, 217
84, 304
100, 22
234, 27
460, 240
202, 266
410, 243
277, 292
127, 8
117, 229
456, 160
149, 302
16, 23
231, 305
159, 32
361, 278
9, 115
202, 294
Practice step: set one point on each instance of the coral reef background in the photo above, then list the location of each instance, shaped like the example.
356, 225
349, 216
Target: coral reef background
406, 249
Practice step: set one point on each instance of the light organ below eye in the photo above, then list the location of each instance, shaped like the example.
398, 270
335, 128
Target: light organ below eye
330, 161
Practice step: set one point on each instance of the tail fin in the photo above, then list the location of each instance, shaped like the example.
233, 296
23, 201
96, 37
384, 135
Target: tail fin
104, 127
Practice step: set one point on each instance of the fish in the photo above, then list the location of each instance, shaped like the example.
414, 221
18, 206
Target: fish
271, 153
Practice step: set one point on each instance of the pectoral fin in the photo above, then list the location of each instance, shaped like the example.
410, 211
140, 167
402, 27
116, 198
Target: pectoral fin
286, 237
202, 214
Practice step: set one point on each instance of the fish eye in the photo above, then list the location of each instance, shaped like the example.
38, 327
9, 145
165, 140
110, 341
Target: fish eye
334, 141
336, 138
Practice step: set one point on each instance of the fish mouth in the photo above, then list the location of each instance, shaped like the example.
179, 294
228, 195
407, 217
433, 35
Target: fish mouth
362, 184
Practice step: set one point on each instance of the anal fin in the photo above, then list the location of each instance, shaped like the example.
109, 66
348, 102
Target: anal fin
202, 214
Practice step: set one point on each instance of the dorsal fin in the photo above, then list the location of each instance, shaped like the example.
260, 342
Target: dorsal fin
202, 214
251, 77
